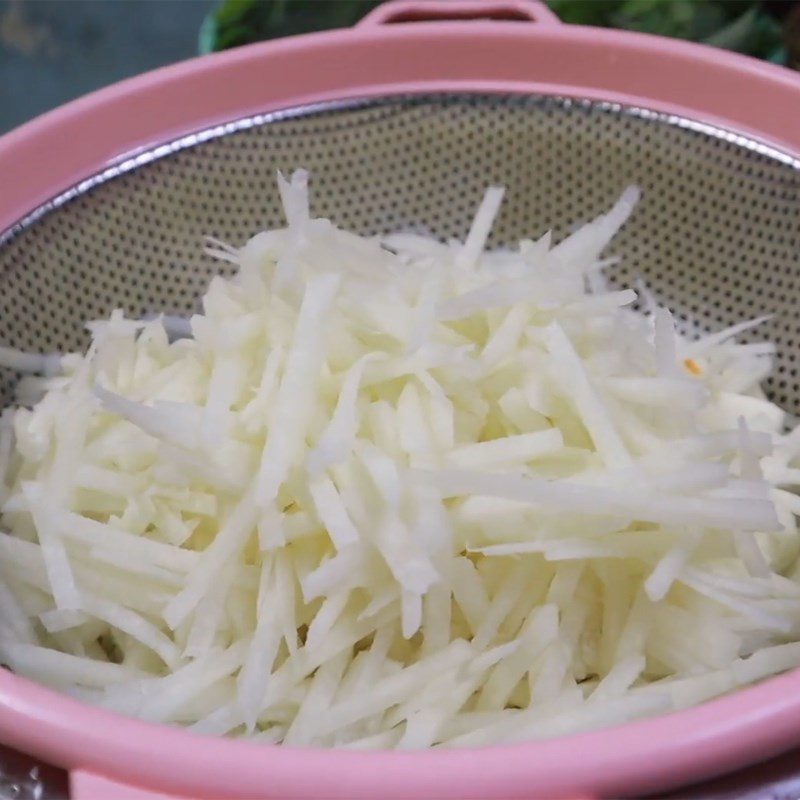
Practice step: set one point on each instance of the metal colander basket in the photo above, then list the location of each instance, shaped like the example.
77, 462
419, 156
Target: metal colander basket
716, 236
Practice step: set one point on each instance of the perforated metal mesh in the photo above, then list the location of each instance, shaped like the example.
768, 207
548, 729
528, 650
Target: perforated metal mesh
717, 235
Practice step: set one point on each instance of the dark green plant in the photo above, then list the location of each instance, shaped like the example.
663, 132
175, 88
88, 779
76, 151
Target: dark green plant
741, 25
237, 22
745, 26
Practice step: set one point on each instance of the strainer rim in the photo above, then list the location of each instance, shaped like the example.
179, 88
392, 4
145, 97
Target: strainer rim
191, 140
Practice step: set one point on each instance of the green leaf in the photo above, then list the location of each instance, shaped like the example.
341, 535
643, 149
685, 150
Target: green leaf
232, 12
754, 33
740, 25
581, 12
237, 22
207, 36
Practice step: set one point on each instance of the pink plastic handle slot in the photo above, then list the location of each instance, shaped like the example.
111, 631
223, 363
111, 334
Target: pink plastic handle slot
453, 10
88, 786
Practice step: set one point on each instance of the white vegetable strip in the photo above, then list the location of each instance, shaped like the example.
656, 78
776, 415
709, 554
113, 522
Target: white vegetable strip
751, 610
719, 443
257, 668
293, 402
28, 561
332, 573
332, 512
504, 340
600, 304
695, 349
669, 568
441, 411
223, 389
55, 621
337, 438
580, 499
469, 592
317, 700
324, 620
481, 225
252, 415
497, 295
410, 613
579, 388
436, 618
423, 319
501, 605
105, 536
47, 364
56, 561
133, 624
172, 422
410, 566
587, 242
14, 616
508, 450
294, 196
208, 617
394, 689
667, 392
163, 697
238, 527
61, 669
666, 344
539, 630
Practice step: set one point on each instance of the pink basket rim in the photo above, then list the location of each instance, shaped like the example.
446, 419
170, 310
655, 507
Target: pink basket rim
57, 150
730, 732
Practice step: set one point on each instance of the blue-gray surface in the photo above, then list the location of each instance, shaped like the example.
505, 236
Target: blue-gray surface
52, 51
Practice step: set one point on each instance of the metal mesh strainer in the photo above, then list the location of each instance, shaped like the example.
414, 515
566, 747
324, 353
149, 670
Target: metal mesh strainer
717, 235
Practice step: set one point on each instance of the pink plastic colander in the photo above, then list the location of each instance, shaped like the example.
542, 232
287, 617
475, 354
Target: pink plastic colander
403, 121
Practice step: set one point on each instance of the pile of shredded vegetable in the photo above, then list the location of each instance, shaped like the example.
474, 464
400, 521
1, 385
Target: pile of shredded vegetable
393, 492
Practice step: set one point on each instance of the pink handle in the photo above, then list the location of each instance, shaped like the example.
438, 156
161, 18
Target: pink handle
88, 786
430, 10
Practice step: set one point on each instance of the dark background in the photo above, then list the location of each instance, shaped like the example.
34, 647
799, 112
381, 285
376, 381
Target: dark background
54, 50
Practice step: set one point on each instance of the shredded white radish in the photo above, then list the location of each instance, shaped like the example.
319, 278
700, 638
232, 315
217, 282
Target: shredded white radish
19, 360
400, 493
